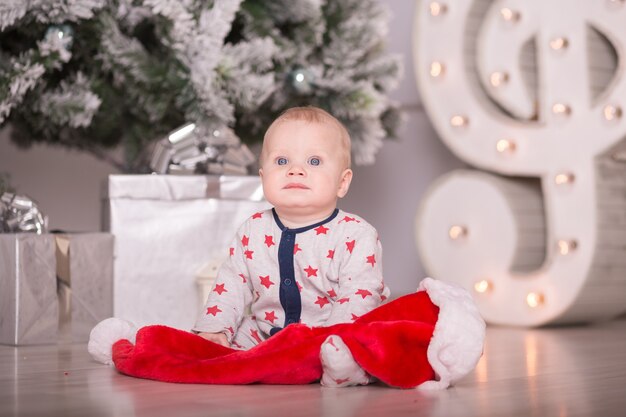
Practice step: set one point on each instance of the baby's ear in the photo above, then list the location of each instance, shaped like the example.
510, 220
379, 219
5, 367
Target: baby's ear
261, 172
344, 184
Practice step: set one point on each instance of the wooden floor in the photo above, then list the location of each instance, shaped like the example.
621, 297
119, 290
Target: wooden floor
557, 372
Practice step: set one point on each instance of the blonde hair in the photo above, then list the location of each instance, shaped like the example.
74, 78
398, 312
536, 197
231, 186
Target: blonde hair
313, 114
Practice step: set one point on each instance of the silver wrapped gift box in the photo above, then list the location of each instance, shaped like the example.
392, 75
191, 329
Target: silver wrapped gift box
54, 288
166, 229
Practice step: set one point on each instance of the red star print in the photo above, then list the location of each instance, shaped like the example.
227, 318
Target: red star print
232, 251
322, 301
321, 230
245, 240
331, 341
371, 259
344, 300
237, 345
230, 329
383, 298
339, 381
348, 220
299, 286
310, 272
257, 215
213, 310
270, 316
269, 240
219, 288
255, 335
296, 249
243, 277
354, 317
265, 281
248, 253
350, 246
331, 254
363, 293
331, 293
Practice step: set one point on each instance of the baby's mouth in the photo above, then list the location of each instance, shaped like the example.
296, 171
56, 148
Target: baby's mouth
295, 185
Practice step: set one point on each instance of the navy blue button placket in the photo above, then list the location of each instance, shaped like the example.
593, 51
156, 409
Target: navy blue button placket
288, 291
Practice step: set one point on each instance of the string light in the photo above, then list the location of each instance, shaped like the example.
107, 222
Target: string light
506, 146
510, 15
559, 43
566, 246
564, 178
459, 121
611, 112
535, 299
497, 79
457, 232
561, 109
437, 69
437, 9
483, 286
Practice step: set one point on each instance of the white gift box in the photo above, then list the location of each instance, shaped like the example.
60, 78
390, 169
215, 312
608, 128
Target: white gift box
54, 287
166, 229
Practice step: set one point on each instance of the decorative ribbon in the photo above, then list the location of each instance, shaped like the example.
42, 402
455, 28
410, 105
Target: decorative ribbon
193, 149
19, 213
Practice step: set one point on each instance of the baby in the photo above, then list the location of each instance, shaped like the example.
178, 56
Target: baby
304, 261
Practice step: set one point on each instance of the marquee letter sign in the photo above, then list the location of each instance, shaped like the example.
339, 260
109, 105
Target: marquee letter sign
532, 94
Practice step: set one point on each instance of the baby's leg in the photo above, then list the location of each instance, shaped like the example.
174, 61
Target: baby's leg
339, 367
248, 335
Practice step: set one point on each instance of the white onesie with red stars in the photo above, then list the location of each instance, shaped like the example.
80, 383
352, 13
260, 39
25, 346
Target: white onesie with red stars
319, 275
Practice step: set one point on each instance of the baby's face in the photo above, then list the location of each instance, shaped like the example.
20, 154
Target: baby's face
303, 168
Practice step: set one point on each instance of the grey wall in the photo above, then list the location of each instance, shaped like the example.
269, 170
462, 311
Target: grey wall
67, 184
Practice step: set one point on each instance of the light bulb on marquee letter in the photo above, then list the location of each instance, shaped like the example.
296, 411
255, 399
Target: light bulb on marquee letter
498, 78
566, 246
457, 232
459, 121
510, 15
543, 238
534, 299
506, 146
437, 8
561, 109
559, 43
564, 178
437, 69
612, 113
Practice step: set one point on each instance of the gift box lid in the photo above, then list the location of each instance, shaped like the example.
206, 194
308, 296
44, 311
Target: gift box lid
187, 187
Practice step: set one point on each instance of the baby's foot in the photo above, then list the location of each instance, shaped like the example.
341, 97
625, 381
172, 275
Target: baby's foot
339, 367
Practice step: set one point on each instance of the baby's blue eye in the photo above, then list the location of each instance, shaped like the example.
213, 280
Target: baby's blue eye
281, 161
315, 161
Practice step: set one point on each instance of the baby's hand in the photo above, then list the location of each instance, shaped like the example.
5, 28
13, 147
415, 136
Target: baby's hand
219, 338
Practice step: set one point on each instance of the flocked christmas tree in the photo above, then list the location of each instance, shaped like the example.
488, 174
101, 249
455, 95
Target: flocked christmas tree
102, 74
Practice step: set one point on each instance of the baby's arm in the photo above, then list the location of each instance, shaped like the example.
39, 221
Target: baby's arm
361, 286
228, 300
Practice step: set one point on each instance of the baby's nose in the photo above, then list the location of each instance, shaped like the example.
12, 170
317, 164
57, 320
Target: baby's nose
296, 170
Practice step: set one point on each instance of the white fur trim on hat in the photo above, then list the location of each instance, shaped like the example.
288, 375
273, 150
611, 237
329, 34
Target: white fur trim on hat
105, 334
457, 342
